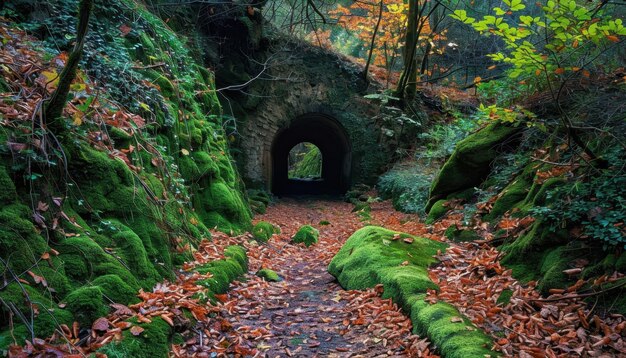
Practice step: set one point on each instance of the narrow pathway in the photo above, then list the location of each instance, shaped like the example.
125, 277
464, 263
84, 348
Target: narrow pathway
307, 314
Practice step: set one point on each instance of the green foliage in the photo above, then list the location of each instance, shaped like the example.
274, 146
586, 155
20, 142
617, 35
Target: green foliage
598, 204
407, 185
306, 162
572, 34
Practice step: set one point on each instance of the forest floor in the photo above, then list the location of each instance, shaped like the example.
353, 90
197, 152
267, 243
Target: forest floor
308, 314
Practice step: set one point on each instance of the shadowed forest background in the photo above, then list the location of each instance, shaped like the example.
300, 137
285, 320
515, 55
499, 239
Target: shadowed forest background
312, 177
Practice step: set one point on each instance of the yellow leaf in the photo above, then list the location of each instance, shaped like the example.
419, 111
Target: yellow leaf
491, 67
184, 151
477, 79
78, 119
144, 106
49, 80
78, 87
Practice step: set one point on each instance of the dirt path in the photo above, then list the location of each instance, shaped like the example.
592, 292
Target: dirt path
307, 314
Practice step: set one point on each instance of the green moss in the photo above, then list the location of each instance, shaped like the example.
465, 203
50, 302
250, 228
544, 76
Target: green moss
263, 231
470, 162
372, 253
306, 234
438, 210
20, 245
153, 342
453, 335
268, 275
133, 253
7, 188
222, 207
48, 316
461, 235
513, 193
224, 271
257, 206
114, 289
375, 255
552, 266
505, 297
87, 305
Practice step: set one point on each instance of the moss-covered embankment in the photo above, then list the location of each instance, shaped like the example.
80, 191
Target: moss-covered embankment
399, 262
125, 192
562, 234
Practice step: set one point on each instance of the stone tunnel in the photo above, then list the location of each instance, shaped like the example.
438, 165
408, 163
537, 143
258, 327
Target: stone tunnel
333, 142
311, 95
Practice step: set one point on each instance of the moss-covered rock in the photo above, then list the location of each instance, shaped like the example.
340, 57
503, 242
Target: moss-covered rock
48, 316
438, 210
461, 234
512, 194
268, 275
470, 162
153, 342
224, 271
307, 235
87, 305
375, 255
114, 289
7, 188
263, 231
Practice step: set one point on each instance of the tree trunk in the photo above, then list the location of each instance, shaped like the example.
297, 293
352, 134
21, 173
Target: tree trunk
369, 58
54, 108
409, 73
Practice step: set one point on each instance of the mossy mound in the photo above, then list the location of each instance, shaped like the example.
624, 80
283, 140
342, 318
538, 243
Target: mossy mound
398, 261
87, 304
461, 234
438, 210
307, 235
263, 231
153, 342
269, 275
224, 271
258, 200
470, 162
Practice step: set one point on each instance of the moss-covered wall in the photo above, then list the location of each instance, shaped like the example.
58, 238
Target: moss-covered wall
122, 199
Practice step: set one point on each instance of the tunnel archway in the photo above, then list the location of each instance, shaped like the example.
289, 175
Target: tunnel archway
334, 144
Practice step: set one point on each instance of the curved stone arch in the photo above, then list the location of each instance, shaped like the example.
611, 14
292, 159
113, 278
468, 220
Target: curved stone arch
332, 139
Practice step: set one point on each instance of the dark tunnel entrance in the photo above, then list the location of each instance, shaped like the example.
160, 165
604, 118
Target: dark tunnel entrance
332, 141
